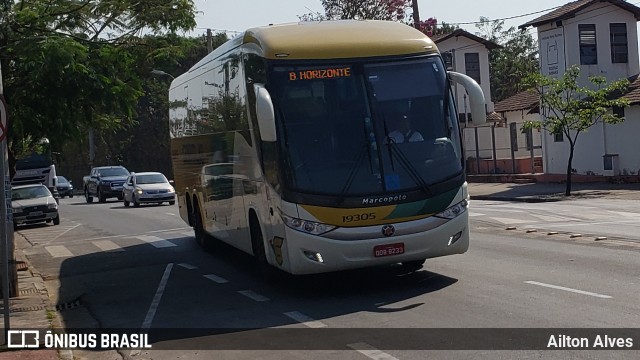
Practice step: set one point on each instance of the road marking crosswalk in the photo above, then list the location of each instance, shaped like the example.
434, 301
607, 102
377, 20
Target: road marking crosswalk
216, 278
58, 251
253, 296
156, 241
371, 352
305, 320
107, 245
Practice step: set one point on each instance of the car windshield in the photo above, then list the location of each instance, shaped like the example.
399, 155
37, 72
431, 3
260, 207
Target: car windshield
62, 180
31, 192
113, 172
151, 179
365, 128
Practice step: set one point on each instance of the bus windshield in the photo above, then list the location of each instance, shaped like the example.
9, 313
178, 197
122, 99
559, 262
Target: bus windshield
355, 128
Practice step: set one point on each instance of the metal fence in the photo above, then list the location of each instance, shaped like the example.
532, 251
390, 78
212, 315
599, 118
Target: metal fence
496, 149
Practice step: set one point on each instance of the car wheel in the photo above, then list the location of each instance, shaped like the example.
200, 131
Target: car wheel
101, 198
172, 202
70, 196
56, 220
88, 197
126, 203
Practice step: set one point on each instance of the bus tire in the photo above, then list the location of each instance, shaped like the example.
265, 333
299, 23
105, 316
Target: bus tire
198, 227
267, 272
413, 266
87, 196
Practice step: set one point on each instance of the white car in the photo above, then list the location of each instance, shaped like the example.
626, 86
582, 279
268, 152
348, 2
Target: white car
148, 187
33, 204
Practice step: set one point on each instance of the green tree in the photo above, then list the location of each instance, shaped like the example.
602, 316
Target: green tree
68, 66
515, 60
570, 109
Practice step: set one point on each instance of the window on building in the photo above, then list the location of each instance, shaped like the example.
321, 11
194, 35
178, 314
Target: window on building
447, 56
472, 66
558, 137
618, 111
588, 47
619, 48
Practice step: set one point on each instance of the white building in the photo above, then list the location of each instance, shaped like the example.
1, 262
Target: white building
600, 36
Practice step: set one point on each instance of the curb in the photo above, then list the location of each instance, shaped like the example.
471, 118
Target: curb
517, 199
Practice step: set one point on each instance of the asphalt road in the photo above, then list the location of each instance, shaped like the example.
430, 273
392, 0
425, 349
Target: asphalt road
139, 268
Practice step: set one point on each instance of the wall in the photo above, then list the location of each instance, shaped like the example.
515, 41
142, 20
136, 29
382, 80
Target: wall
461, 45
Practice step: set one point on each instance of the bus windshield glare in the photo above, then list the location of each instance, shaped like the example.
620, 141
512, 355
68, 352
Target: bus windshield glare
365, 128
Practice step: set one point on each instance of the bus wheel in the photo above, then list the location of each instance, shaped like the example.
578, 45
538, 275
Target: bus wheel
267, 271
88, 197
198, 227
412, 266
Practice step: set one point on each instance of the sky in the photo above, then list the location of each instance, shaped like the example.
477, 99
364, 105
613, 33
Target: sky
239, 15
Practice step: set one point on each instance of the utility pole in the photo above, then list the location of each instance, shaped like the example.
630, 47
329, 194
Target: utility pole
209, 41
416, 14
9, 282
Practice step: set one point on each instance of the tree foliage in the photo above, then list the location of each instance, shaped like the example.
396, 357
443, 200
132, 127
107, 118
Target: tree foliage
514, 61
570, 109
68, 65
390, 10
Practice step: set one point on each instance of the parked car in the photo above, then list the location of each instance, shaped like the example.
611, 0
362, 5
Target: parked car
148, 187
64, 187
33, 204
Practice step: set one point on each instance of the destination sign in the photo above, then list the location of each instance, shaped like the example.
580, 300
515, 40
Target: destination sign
328, 73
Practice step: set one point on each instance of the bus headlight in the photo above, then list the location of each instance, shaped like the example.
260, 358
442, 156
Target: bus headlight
454, 210
310, 227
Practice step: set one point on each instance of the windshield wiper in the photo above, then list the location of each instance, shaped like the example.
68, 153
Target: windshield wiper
356, 165
406, 164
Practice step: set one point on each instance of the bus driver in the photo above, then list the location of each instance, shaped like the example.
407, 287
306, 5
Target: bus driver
404, 132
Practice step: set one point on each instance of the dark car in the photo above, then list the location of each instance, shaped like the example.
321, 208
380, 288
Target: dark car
64, 187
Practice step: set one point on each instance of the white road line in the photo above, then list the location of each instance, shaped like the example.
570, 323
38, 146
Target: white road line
172, 214
187, 266
600, 223
64, 232
472, 214
187, 233
107, 245
132, 235
553, 218
156, 241
156, 299
216, 278
305, 320
371, 352
253, 296
569, 289
58, 251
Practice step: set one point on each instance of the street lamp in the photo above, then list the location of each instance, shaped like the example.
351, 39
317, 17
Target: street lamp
162, 73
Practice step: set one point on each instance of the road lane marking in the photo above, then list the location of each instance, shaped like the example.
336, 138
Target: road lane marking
216, 278
156, 299
132, 235
107, 245
58, 251
64, 232
187, 266
371, 352
172, 214
156, 241
305, 320
253, 296
553, 218
569, 289
187, 233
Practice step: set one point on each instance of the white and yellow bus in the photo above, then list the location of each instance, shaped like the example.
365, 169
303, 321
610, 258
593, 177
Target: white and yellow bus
287, 143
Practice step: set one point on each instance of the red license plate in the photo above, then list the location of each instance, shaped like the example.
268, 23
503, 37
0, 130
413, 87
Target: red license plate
388, 249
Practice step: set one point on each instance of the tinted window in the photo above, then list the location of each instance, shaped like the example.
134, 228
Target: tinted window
113, 172
151, 179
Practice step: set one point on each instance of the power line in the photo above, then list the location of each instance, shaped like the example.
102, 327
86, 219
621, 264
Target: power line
506, 18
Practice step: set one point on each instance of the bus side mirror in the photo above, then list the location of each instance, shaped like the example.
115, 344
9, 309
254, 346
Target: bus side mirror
265, 113
476, 97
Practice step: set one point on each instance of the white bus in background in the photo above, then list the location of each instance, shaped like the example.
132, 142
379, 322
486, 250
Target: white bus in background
285, 145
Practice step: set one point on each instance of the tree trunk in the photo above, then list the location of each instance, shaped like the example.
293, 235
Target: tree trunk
569, 171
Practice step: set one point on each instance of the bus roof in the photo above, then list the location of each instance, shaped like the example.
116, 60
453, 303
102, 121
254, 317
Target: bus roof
338, 39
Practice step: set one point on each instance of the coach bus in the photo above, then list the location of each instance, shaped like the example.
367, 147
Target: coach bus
324, 146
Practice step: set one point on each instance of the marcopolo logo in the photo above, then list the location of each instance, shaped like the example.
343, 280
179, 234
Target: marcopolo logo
383, 200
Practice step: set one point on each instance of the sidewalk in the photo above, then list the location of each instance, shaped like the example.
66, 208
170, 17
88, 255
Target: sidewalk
543, 192
31, 309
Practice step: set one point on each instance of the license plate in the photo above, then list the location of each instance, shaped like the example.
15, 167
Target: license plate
388, 249
35, 213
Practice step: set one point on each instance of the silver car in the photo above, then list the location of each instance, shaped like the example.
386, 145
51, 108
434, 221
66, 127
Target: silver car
148, 187
33, 204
